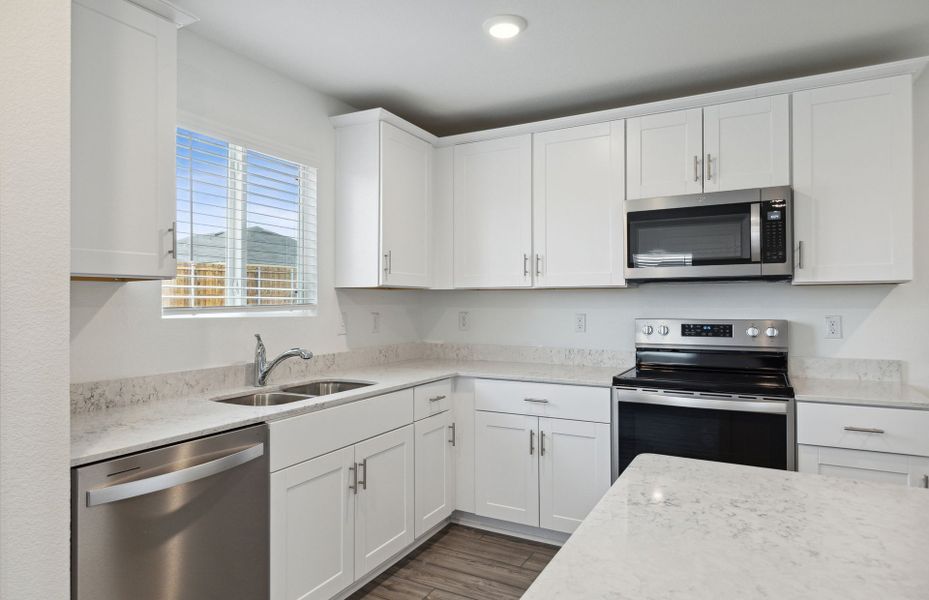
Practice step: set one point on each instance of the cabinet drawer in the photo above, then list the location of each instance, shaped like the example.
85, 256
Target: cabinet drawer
581, 403
895, 430
432, 398
314, 434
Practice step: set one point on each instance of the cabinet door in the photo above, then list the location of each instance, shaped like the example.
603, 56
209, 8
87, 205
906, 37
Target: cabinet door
853, 182
406, 167
493, 213
384, 506
746, 144
123, 105
574, 471
435, 475
577, 206
664, 154
312, 528
506, 476
882, 467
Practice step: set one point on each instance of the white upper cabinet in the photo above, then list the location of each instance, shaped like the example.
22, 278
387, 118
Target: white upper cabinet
853, 182
663, 154
383, 207
733, 146
493, 213
577, 206
406, 169
746, 144
123, 119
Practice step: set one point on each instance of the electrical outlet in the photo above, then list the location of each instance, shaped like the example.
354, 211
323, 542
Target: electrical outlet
343, 320
580, 323
834, 327
375, 322
464, 320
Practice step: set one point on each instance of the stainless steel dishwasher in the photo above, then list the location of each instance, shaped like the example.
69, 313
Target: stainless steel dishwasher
183, 522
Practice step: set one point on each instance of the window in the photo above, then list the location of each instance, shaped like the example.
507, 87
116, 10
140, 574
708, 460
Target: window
246, 229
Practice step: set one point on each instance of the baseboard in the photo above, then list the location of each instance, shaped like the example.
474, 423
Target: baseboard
536, 534
390, 562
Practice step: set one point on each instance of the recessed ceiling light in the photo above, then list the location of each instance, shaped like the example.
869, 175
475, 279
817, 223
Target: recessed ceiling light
505, 26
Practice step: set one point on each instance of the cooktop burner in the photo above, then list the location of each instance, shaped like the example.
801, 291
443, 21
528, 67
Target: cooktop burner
770, 384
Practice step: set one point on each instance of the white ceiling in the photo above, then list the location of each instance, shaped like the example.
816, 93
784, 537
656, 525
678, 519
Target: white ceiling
431, 62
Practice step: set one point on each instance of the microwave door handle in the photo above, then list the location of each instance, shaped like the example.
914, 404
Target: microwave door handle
755, 234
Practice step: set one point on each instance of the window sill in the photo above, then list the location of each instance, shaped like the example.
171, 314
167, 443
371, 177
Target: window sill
233, 313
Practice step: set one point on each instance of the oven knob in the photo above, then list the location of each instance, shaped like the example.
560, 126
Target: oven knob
771, 332
648, 330
752, 332
663, 330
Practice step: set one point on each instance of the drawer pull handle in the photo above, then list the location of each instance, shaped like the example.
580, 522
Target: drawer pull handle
437, 398
536, 400
864, 429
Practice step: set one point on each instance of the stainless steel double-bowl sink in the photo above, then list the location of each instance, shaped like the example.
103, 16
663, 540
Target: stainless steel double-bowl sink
295, 393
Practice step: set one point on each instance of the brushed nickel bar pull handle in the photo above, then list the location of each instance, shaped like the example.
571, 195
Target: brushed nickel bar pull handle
525, 265
531, 441
541, 443
354, 486
709, 167
390, 262
173, 251
926, 481
864, 429
453, 441
364, 482
386, 263
800, 254
538, 265
437, 398
696, 168
536, 400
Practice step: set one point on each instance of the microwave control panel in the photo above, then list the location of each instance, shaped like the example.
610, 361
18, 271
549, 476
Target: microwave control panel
774, 231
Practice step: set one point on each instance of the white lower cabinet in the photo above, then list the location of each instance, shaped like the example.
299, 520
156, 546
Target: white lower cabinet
901, 469
540, 472
435, 472
313, 528
574, 471
507, 468
384, 502
336, 517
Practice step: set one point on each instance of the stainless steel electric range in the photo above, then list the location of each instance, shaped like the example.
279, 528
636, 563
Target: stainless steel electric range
708, 389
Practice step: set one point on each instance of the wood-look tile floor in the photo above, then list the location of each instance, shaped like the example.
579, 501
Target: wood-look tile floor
461, 563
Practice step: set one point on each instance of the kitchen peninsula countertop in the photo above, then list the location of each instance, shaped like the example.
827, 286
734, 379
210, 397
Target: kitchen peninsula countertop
675, 528
102, 434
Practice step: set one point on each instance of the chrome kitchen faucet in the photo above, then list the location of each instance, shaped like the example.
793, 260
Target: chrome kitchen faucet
263, 368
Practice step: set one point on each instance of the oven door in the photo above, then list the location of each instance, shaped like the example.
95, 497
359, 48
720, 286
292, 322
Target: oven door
754, 432
714, 241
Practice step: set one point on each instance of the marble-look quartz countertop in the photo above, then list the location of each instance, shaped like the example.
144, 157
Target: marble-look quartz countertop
106, 433
675, 528
891, 394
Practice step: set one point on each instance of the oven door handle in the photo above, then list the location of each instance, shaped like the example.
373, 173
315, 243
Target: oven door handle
775, 407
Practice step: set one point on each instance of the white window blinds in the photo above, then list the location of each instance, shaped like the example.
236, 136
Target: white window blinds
246, 229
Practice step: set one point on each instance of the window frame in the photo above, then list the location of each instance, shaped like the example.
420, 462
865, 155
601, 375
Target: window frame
303, 158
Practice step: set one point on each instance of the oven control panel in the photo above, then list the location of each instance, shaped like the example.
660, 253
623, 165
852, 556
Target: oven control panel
761, 334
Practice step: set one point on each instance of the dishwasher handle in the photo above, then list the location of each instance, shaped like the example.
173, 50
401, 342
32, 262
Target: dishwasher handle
164, 481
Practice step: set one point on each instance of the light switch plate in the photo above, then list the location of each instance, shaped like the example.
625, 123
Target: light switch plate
375, 322
580, 323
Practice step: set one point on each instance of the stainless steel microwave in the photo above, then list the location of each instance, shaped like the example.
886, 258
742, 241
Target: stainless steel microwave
744, 234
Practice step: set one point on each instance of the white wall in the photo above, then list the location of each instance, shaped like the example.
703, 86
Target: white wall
117, 329
34, 255
880, 321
